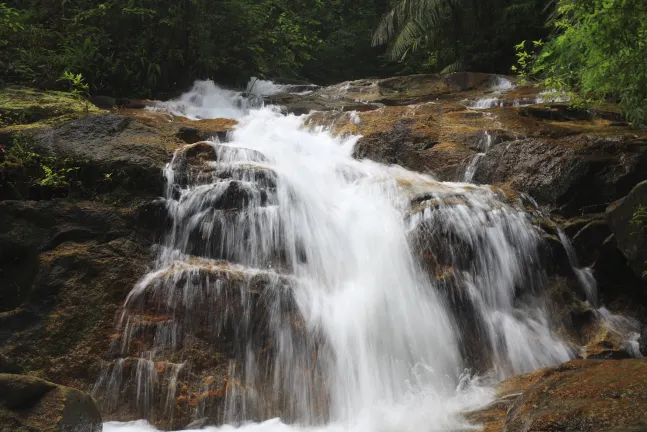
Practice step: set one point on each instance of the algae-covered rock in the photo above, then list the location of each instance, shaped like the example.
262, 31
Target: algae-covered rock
33, 405
26, 109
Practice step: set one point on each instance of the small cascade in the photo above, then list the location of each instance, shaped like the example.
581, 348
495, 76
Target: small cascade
296, 282
500, 86
483, 146
621, 328
584, 274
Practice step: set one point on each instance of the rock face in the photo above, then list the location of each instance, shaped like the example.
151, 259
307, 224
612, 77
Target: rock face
31, 404
66, 268
581, 395
574, 175
631, 238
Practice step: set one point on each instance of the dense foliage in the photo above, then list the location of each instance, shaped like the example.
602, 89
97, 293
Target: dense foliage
146, 46
447, 35
599, 50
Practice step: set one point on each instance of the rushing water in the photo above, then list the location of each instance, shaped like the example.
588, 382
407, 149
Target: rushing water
352, 295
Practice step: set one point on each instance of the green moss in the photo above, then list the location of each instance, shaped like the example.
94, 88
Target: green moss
26, 108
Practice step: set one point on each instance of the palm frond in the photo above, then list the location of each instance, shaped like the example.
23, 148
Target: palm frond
406, 39
457, 66
424, 12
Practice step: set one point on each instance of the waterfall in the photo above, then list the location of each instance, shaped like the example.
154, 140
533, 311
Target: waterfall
341, 294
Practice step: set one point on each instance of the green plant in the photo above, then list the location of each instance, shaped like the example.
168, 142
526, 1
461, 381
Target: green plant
639, 219
78, 87
55, 177
460, 34
36, 169
599, 50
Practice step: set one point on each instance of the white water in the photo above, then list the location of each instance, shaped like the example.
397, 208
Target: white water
339, 239
484, 145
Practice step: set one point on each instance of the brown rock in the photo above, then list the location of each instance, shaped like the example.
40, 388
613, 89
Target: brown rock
581, 395
31, 404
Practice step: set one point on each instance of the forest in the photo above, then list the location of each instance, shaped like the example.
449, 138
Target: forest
595, 49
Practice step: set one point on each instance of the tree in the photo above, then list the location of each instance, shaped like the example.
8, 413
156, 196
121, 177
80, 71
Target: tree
599, 50
460, 34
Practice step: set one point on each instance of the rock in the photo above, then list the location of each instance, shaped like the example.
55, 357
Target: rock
574, 179
198, 424
111, 144
581, 395
588, 241
104, 102
65, 269
631, 238
135, 103
31, 404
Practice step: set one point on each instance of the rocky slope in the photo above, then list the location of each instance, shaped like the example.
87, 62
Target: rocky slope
73, 246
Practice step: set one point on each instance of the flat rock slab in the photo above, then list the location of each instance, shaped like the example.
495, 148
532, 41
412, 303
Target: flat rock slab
578, 396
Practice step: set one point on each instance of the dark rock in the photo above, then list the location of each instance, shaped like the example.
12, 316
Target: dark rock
29, 403
631, 238
588, 241
563, 176
555, 112
104, 102
65, 271
191, 135
642, 341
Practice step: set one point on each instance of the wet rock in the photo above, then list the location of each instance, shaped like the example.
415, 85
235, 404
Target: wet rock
555, 112
199, 315
198, 424
631, 238
29, 403
581, 395
572, 179
588, 241
642, 342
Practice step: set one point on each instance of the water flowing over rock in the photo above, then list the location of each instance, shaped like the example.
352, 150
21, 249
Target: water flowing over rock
294, 279
326, 271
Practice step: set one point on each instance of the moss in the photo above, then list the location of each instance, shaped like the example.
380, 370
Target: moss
25, 108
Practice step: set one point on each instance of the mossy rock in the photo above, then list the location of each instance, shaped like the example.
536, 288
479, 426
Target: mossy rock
30, 404
25, 109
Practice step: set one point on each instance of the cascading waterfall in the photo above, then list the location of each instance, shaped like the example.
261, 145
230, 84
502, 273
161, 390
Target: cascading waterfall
348, 294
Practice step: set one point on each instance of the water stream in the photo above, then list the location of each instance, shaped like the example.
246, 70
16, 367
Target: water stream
349, 295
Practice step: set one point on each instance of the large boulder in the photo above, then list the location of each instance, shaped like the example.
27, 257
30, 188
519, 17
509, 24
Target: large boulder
33, 405
111, 144
631, 234
581, 395
573, 174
